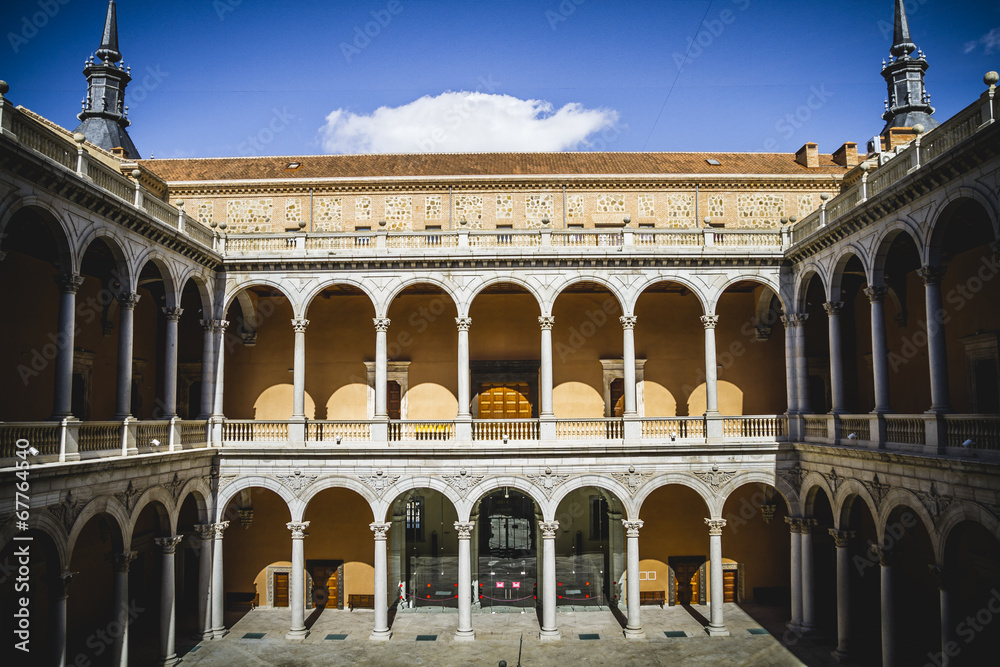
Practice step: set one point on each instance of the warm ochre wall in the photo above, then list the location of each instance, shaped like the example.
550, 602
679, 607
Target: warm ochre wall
504, 327
673, 525
586, 330
338, 530
423, 332
762, 548
247, 551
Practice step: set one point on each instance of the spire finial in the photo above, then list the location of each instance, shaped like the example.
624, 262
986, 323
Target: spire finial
109, 40
902, 45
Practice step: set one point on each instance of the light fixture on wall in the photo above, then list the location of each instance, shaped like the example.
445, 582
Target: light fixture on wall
768, 507
852, 436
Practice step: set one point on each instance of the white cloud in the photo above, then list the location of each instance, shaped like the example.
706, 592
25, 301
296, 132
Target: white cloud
990, 42
464, 122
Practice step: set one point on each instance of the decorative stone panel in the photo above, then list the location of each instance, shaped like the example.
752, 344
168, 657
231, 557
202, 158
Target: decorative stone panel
399, 212
647, 206
432, 207
537, 207
249, 215
293, 210
716, 206
363, 208
470, 209
680, 206
206, 212
806, 205
505, 206
329, 214
760, 211
610, 203
574, 207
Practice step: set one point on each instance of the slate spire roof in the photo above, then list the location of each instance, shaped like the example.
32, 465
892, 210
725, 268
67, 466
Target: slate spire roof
908, 103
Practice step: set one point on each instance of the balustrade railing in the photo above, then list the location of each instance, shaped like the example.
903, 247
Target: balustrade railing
153, 435
193, 432
754, 427
973, 431
338, 431
858, 425
817, 427
43, 140
905, 430
505, 429
421, 431
676, 428
43, 436
250, 430
99, 436
590, 429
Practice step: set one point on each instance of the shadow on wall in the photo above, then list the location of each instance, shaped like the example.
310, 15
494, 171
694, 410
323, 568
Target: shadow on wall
730, 400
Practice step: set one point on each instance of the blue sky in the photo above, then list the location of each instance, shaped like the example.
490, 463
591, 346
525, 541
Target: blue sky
249, 77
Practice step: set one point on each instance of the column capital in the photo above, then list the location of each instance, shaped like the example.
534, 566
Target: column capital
715, 526
168, 545
381, 324
794, 524
833, 307
121, 561
931, 274
709, 321
203, 531
942, 576
173, 313
219, 529
463, 323
793, 320
548, 529
60, 583
632, 527
69, 283
876, 294
127, 300
841, 538
806, 525
299, 324
298, 529
546, 322
464, 529
381, 530
628, 321
884, 554
215, 326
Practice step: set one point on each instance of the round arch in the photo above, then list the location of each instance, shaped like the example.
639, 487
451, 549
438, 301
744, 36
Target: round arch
559, 289
126, 275
310, 296
763, 281
68, 259
167, 510
812, 483
487, 486
960, 511
603, 482
295, 506
886, 235
447, 286
754, 477
802, 281
384, 503
46, 523
931, 247
198, 489
840, 265
100, 505
904, 498
232, 292
849, 492
696, 289
464, 305
336, 482
170, 284
681, 478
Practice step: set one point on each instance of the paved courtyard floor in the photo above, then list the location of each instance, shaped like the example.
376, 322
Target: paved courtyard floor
675, 636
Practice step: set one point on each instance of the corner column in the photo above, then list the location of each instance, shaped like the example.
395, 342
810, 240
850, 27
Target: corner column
833, 309
716, 624
168, 589
842, 540
795, 553
296, 582
633, 630
381, 631
62, 403
218, 582
465, 631
937, 355
880, 352
550, 631
123, 394
711, 365
808, 588
204, 546
119, 649
885, 560
173, 316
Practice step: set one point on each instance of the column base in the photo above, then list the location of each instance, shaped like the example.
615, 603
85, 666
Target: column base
219, 633
297, 635
635, 633
550, 635
840, 656
380, 635
465, 635
206, 636
170, 661
717, 631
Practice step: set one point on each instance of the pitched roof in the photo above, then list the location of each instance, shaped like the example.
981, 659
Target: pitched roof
483, 164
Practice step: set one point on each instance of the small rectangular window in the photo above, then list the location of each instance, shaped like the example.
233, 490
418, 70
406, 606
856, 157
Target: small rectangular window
415, 519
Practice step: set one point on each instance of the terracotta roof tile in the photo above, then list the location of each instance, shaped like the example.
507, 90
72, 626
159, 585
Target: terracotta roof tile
483, 164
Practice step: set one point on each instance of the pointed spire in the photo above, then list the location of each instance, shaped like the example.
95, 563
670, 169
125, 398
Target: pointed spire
109, 40
902, 45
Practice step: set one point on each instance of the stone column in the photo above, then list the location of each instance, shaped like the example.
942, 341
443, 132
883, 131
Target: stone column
711, 365
885, 560
616, 554
802, 364
168, 591
381, 368
381, 630
628, 363
207, 367
60, 594
220, 366
808, 588
299, 370
549, 628
218, 582
795, 527
546, 322
943, 579
170, 363
204, 542
937, 355
880, 353
464, 380
833, 309
465, 631
296, 582
716, 624
62, 403
123, 395
842, 540
791, 360
119, 649
633, 630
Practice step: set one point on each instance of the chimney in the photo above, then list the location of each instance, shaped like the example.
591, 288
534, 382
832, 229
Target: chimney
808, 156
847, 155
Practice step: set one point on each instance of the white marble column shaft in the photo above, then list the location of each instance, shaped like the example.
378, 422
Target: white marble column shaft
937, 354
791, 360
633, 629
207, 368
716, 622
833, 309
218, 582
296, 581
628, 363
299, 369
62, 403
381, 366
120, 563
550, 630
464, 378
795, 527
204, 536
880, 351
465, 631
381, 630
711, 365
219, 379
123, 387
167, 547
173, 316
808, 580
842, 542
885, 558
546, 322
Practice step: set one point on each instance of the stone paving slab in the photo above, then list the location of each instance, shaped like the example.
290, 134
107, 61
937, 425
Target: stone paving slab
497, 638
